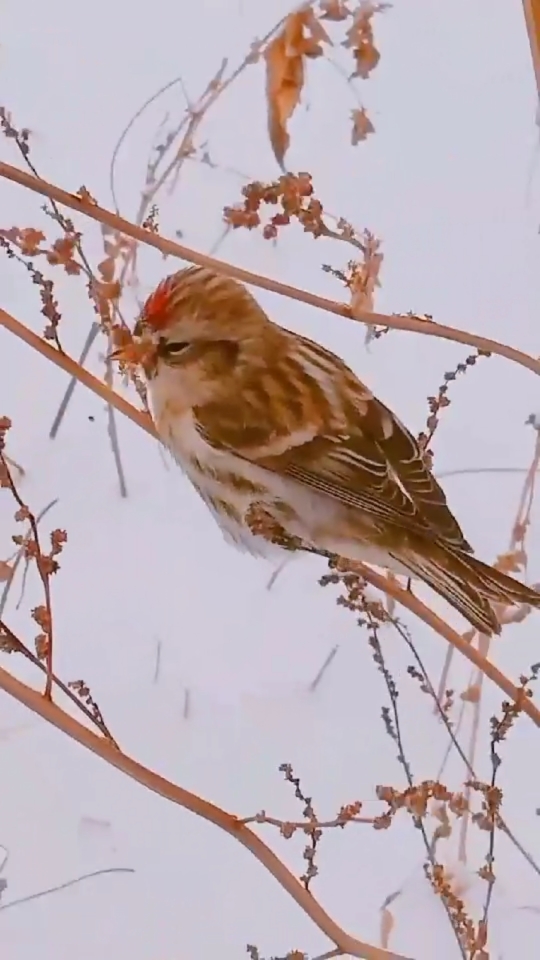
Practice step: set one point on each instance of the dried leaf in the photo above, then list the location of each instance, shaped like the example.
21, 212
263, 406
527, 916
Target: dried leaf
301, 37
334, 10
387, 925
443, 831
316, 34
29, 241
472, 694
362, 126
512, 562
5, 571
106, 269
440, 812
107, 291
360, 39
61, 254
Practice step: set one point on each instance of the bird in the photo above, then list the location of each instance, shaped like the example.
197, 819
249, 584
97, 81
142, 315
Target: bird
264, 421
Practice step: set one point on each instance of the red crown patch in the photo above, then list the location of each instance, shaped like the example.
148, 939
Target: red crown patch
155, 308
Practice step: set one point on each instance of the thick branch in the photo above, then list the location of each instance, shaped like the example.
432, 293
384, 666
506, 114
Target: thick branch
397, 322
190, 801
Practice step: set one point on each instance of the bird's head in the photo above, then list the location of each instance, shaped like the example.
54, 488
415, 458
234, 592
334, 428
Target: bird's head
197, 315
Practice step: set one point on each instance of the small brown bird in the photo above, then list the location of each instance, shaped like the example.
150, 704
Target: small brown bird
261, 417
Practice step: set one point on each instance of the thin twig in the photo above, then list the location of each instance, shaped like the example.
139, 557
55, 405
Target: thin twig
113, 432
306, 825
393, 728
17, 646
22, 146
19, 557
88, 344
454, 742
44, 574
64, 886
322, 669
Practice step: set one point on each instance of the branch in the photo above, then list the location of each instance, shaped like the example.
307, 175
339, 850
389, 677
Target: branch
430, 618
72, 367
397, 322
208, 811
376, 579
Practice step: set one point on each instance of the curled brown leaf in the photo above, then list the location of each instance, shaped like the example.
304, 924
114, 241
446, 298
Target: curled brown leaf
302, 36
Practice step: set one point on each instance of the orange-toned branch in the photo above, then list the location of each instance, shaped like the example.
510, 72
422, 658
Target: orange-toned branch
74, 369
386, 584
203, 808
398, 322
532, 19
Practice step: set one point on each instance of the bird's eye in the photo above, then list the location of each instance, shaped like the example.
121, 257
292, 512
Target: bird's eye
171, 348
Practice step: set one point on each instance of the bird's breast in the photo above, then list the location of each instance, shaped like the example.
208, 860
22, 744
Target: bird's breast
227, 483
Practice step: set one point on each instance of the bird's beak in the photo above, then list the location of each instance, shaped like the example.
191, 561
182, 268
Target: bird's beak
118, 354
124, 352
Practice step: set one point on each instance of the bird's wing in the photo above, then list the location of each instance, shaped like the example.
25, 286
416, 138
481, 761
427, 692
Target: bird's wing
352, 449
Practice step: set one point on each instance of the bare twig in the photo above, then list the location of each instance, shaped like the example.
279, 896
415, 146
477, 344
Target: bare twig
21, 141
87, 346
45, 564
10, 643
20, 556
64, 886
288, 827
323, 668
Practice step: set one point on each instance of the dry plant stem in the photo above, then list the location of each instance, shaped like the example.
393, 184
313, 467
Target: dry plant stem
394, 321
20, 647
483, 648
412, 603
152, 187
306, 825
472, 471
88, 344
64, 886
20, 554
113, 434
377, 580
72, 367
454, 742
44, 577
112, 431
208, 811
517, 543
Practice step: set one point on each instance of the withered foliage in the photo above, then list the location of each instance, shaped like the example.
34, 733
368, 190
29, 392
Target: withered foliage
441, 400
46, 562
303, 37
294, 197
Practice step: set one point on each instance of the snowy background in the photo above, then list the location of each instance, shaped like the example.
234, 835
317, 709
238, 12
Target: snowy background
450, 182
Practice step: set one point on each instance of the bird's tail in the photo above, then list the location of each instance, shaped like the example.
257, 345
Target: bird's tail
470, 586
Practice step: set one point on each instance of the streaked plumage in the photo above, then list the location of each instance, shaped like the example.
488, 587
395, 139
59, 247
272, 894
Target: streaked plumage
255, 414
